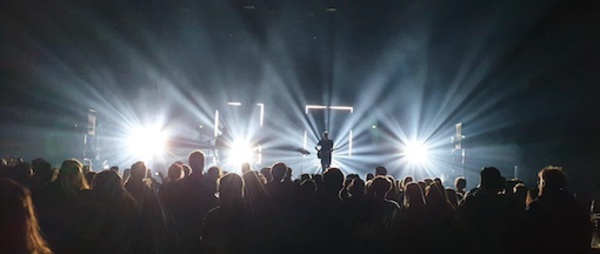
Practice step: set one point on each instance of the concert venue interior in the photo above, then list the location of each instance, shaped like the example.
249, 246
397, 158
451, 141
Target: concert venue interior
83, 79
457, 126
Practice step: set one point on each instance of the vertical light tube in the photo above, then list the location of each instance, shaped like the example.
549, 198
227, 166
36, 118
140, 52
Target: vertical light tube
216, 123
262, 114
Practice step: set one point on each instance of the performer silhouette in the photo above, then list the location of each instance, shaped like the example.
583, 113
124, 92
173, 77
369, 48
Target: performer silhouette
324, 150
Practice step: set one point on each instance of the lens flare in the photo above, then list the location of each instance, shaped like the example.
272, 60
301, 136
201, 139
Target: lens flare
146, 142
416, 152
241, 152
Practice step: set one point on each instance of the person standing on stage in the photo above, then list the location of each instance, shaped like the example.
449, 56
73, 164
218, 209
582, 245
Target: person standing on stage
324, 150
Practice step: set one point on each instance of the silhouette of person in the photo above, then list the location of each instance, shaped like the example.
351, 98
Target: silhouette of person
556, 222
223, 227
331, 214
324, 150
111, 216
413, 229
460, 183
61, 207
19, 229
485, 215
198, 193
150, 221
381, 220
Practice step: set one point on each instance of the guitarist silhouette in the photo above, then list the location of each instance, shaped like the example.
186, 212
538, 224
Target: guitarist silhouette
324, 149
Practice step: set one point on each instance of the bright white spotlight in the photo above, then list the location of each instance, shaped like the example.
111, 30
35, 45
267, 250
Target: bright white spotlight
415, 152
241, 152
146, 142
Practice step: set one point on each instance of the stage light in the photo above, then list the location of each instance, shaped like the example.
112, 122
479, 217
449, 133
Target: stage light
350, 109
309, 107
262, 114
415, 152
241, 152
146, 142
216, 130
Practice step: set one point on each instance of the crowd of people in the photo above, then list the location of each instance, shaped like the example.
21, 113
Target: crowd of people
73, 209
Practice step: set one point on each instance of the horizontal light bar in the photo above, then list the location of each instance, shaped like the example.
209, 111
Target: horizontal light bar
351, 109
308, 107
234, 103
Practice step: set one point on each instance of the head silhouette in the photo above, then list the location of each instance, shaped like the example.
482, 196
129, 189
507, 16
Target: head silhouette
266, 172
552, 179
246, 167
196, 161
213, 173
413, 195
407, 180
370, 176
138, 171
231, 190
333, 180
108, 184
491, 180
357, 187
278, 171
435, 195
43, 170
175, 172
460, 183
381, 186
71, 178
380, 171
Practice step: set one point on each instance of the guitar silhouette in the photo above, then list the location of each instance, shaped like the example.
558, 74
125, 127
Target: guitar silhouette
320, 152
